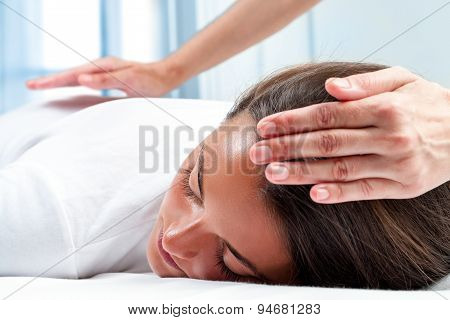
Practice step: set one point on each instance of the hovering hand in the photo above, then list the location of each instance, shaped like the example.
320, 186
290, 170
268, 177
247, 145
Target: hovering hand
133, 78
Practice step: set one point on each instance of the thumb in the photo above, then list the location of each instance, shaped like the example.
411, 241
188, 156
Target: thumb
364, 85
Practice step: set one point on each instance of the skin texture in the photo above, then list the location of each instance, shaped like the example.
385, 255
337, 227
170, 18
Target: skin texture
387, 139
231, 210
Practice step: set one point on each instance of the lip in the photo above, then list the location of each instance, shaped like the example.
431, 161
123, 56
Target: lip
165, 255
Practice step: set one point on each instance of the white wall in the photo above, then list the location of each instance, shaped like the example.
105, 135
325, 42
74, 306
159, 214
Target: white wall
351, 29
228, 80
339, 30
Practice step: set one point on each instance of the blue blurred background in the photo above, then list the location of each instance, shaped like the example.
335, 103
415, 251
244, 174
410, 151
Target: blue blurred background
147, 30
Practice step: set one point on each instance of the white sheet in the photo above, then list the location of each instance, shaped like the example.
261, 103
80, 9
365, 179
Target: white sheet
88, 203
149, 286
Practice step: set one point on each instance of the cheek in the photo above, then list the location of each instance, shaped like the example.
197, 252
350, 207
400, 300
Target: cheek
172, 204
204, 267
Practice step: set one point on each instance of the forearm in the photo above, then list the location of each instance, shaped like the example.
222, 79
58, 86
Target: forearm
243, 25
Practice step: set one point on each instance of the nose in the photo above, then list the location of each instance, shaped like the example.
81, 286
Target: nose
184, 238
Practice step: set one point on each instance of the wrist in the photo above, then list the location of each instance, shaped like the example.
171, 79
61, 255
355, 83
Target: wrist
176, 71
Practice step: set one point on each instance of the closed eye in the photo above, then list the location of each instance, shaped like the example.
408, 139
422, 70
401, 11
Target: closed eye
187, 190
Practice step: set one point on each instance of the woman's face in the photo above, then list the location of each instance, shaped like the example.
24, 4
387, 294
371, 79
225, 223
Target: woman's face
213, 223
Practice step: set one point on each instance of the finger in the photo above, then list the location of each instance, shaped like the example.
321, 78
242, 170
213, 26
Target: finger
337, 170
70, 77
63, 79
364, 189
104, 80
329, 143
353, 114
368, 84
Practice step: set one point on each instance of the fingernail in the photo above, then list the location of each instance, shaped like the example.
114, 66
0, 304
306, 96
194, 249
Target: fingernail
85, 78
322, 194
262, 154
267, 128
341, 83
278, 171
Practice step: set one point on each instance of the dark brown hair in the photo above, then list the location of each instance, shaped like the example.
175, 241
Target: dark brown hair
388, 244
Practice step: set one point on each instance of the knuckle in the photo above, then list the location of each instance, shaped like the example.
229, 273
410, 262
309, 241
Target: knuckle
414, 86
391, 111
300, 169
397, 103
282, 148
398, 141
384, 111
107, 62
339, 192
362, 80
402, 72
400, 69
284, 122
403, 141
325, 116
306, 167
341, 170
411, 175
102, 79
366, 188
354, 111
416, 188
328, 144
